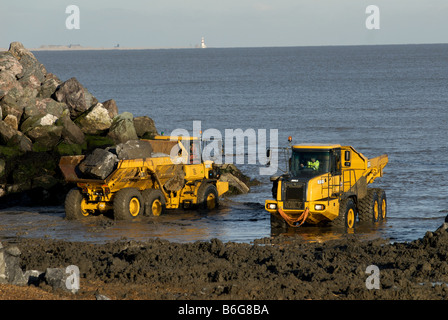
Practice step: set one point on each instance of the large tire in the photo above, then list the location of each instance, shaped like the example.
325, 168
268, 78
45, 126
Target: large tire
73, 205
128, 204
278, 224
382, 201
154, 202
347, 215
208, 197
369, 209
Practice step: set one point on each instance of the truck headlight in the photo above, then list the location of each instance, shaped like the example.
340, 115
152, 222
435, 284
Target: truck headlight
319, 207
272, 206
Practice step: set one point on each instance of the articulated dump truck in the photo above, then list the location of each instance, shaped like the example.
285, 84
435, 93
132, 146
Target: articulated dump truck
144, 186
327, 184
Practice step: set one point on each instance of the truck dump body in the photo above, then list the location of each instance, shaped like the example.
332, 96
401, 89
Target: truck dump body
321, 179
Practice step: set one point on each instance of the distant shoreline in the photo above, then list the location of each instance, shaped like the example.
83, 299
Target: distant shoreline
80, 48
103, 48
65, 48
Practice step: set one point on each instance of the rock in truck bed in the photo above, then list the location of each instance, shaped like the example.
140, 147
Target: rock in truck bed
102, 162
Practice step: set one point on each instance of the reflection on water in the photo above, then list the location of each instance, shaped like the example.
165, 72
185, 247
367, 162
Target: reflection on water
233, 221
364, 231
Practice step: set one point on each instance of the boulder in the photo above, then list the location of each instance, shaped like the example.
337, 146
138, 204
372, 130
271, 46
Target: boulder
43, 107
95, 121
8, 82
14, 138
71, 133
21, 142
57, 279
177, 181
49, 86
10, 271
42, 131
6, 132
12, 121
2, 168
99, 164
111, 107
236, 186
10, 64
33, 277
133, 149
10, 105
122, 128
239, 183
10, 67
75, 96
15, 101
33, 72
13, 90
38, 120
45, 138
145, 127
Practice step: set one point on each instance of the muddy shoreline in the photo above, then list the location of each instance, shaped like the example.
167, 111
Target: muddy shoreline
280, 268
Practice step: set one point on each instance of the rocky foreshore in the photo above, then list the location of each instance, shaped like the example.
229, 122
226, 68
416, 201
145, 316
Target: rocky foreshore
43, 118
286, 268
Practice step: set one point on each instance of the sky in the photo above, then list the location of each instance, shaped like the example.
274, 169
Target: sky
223, 23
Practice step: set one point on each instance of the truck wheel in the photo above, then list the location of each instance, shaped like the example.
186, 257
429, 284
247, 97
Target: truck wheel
208, 197
128, 204
382, 201
369, 209
154, 202
74, 202
347, 214
278, 224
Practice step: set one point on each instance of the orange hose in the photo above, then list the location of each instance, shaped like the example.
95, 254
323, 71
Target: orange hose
294, 222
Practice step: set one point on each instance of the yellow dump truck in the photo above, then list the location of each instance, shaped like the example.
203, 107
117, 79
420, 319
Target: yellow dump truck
144, 186
327, 183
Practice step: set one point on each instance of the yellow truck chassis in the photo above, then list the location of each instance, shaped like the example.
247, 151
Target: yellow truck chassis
337, 194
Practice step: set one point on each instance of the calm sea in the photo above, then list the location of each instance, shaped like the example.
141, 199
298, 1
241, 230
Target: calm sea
379, 99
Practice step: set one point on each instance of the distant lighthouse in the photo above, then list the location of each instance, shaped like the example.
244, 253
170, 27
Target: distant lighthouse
203, 43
